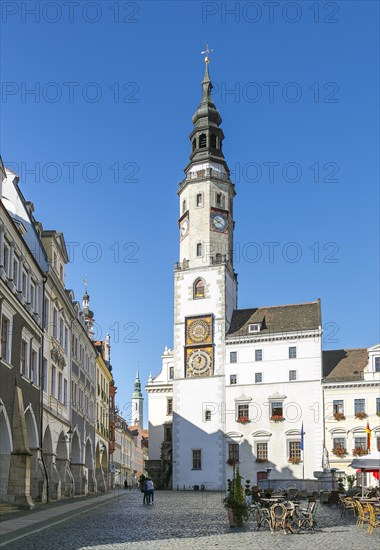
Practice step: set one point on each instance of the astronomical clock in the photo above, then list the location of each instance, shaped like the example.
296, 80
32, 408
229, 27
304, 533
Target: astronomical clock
199, 350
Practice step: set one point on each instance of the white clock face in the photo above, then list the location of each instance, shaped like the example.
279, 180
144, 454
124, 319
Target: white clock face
184, 228
199, 362
219, 221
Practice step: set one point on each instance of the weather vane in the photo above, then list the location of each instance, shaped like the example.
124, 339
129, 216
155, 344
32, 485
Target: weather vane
207, 51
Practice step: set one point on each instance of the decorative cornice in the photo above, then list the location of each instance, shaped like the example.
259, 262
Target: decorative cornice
272, 337
355, 384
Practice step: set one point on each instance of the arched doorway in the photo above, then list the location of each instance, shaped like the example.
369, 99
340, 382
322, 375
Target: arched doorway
5, 452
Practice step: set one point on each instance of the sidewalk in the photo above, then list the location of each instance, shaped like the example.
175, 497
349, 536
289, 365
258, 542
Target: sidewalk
15, 525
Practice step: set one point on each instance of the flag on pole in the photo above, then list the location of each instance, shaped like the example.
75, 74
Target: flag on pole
302, 434
369, 435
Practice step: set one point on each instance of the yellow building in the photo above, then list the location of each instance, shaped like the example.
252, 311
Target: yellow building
102, 429
352, 404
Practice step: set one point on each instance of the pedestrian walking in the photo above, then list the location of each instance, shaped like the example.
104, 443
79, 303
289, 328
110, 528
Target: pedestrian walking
150, 490
146, 499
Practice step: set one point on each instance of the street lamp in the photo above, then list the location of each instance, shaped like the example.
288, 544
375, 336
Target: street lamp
268, 476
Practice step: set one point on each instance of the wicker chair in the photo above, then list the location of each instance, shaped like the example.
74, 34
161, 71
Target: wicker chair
346, 503
363, 514
374, 518
278, 514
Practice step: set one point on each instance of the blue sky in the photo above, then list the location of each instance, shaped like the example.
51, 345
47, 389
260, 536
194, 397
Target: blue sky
106, 131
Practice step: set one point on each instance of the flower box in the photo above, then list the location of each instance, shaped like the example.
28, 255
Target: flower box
243, 420
339, 416
361, 415
339, 451
277, 418
294, 460
261, 460
232, 461
358, 451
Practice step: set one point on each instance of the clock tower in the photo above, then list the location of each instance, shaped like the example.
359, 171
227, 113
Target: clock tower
205, 288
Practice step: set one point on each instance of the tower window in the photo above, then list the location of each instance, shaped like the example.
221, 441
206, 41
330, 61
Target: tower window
199, 289
183, 207
194, 144
202, 141
169, 406
199, 249
213, 141
199, 199
218, 199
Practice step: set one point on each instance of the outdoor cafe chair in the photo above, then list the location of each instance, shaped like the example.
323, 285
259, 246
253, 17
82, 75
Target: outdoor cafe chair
363, 514
306, 520
374, 518
278, 514
346, 503
260, 516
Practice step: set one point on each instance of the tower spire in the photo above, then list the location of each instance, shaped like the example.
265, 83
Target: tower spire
137, 401
207, 136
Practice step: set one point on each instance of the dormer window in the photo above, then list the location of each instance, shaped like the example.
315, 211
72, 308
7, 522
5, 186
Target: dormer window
254, 327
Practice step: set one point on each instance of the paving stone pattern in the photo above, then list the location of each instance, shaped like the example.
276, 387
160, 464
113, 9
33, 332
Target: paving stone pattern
187, 520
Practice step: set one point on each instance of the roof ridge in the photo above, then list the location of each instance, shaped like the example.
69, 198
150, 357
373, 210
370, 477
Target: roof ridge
273, 307
346, 349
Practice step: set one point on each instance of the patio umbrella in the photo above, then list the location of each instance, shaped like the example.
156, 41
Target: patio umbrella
367, 463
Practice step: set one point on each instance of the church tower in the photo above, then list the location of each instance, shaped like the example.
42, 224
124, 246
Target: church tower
137, 402
205, 295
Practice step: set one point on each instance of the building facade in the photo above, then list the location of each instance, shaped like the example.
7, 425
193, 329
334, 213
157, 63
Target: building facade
241, 386
351, 389
22, 282
57, 394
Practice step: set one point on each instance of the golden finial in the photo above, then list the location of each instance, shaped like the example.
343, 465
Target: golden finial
207, 51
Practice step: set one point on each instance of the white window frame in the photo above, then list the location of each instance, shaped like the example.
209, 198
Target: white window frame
8, 313
292, 372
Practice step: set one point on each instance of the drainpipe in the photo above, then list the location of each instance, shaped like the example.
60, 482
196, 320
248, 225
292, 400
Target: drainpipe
42, 382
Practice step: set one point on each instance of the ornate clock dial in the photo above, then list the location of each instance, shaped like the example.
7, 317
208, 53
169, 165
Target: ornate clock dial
199, 362
219, 221
199, 331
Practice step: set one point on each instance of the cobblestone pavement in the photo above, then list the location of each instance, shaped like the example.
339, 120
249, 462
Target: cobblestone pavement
187, 520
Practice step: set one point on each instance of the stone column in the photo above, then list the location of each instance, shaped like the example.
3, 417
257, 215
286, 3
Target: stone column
54, 480
19, 472
67, 480
37, 477
100, 479
80, 478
